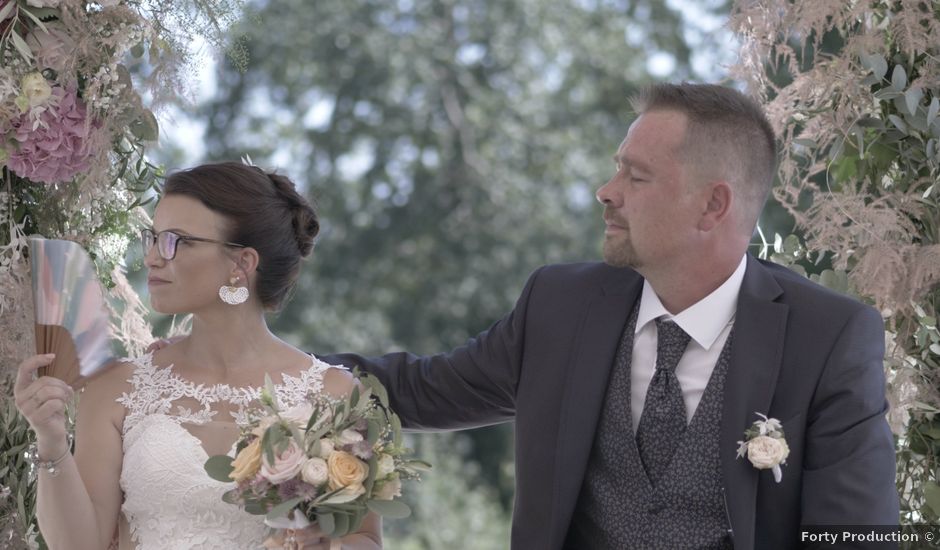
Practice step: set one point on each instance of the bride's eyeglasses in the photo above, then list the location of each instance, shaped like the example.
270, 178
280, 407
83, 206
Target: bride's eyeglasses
167, 240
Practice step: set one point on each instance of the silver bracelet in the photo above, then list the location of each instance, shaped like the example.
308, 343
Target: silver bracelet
50, 466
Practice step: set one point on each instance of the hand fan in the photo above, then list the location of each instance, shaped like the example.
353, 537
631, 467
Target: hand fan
71, 318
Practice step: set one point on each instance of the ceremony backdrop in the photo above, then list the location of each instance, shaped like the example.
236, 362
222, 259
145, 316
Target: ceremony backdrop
452, 147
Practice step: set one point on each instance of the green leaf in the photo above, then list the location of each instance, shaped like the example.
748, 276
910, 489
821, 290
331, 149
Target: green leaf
372, 431
876, 64
898, 122
327, 523
145, 128
35, 19
138, 50
341, 527
394, 509
21, 46
898, 78
7, 10
284, 508
255, 507
912, 99
219, 467
933, 110
932, 496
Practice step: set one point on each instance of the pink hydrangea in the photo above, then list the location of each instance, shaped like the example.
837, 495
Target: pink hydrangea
60, 146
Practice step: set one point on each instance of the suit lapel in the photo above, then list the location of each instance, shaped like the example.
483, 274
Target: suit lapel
585, 390
756, 354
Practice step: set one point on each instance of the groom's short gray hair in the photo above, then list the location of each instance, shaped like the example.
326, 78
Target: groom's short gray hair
728, 137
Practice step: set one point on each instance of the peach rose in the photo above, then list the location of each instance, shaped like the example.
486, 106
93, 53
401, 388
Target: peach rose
345, 470
248, 462
286, 465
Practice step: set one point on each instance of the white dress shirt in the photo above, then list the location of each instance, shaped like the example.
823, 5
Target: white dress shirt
707, 321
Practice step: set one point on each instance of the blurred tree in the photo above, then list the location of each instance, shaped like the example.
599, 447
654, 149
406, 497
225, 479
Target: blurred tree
452, 148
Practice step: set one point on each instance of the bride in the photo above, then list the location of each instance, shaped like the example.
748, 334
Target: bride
226, 245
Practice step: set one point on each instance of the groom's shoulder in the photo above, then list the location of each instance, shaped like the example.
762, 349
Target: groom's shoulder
799, 290
582, 275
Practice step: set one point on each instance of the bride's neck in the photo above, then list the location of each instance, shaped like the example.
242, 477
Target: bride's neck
230, 342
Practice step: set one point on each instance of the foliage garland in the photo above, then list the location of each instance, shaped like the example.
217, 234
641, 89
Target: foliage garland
74, 77
860, 174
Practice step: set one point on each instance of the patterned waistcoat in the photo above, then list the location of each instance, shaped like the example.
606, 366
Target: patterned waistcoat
619, 508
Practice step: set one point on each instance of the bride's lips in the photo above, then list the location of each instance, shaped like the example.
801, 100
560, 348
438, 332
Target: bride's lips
155, 281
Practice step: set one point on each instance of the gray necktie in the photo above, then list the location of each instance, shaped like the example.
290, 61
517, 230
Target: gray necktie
663, 420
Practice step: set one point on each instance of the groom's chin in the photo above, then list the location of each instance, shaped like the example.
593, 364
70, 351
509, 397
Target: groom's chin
618, 254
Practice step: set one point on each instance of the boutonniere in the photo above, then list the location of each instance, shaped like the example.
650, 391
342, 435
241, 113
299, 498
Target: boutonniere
765, 446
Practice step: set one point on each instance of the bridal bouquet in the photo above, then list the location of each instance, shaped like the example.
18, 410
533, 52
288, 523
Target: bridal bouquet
326, 460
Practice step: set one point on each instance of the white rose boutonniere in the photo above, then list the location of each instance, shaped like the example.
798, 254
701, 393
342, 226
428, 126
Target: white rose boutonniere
765, 446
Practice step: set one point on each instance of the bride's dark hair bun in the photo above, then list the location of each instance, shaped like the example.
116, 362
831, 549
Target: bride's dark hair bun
304, 218
265, 212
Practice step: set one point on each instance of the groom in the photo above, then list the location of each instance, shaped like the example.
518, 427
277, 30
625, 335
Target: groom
632, 381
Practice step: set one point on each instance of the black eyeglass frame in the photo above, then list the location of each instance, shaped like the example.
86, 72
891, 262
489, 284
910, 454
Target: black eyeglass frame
155, 237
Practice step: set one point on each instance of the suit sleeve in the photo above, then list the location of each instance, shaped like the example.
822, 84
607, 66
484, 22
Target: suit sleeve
473, 385
849, 467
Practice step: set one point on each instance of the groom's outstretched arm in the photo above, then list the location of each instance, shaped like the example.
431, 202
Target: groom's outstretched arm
473, 385
849, 467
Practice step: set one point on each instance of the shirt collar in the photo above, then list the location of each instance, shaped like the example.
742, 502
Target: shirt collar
704, 320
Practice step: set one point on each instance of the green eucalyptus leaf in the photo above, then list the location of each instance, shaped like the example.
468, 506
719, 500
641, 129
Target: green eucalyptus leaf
341, 527
137, 50
898, 123
394, 509
7, 10
219, 467
876, 64
284, 508
898, 78
21, 46
327, 523
145, 128
933, 110
912, 99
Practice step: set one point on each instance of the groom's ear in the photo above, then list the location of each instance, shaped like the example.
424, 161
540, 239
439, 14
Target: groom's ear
718, 199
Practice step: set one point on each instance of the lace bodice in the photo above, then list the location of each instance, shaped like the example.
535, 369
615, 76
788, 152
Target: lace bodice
169, 501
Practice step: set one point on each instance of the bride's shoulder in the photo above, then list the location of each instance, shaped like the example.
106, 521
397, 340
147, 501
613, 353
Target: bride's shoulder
337, 380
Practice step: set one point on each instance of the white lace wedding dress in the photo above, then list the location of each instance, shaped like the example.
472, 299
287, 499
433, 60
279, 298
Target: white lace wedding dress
170, 503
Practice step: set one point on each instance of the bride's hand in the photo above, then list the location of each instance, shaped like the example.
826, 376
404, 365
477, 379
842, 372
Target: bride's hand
309, 538
42, 402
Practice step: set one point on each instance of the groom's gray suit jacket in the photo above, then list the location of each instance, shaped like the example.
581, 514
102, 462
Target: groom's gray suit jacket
802, 354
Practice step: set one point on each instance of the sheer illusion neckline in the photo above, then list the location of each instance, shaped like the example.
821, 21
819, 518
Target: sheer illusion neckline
147, 360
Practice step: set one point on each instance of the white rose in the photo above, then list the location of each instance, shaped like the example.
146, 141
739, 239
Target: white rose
385, 467
298, 415
315, 472
36, 89
388, 490
326, 448
349, 437
765, 452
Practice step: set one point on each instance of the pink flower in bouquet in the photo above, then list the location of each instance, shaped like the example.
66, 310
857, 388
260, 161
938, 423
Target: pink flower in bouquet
53, 48
60, 146
286, 465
